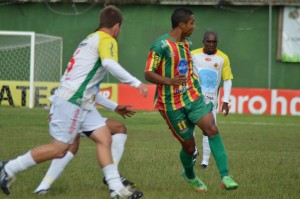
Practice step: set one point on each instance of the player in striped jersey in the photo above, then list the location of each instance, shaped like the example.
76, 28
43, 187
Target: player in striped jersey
179, 100
73, 105
211, 65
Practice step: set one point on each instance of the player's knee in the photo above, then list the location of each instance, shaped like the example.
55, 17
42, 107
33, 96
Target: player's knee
121, 128
74, 148
189, 149
213, 130
61, 154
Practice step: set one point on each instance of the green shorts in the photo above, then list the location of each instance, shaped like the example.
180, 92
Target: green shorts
182, 121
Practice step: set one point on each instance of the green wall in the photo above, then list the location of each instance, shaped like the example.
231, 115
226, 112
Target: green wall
243, 35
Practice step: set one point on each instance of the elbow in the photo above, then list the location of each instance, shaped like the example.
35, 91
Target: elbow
147, 77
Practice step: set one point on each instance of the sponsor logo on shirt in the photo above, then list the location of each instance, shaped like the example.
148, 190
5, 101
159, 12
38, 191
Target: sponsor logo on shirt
182, 90
182, 66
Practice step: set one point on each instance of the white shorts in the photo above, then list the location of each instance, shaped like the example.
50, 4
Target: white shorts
67, 120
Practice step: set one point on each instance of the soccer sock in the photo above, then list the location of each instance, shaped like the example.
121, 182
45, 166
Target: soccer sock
112, 177
206, 150
187, 163
117, 146
219, 153
56, 168
21, 163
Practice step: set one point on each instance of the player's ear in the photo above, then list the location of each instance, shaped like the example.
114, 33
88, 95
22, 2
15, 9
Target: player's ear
181, 25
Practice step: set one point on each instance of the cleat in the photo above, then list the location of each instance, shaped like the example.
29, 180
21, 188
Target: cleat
5, 180
228, 183
126, 193
196, 183
204, 166
41, 192
128, 184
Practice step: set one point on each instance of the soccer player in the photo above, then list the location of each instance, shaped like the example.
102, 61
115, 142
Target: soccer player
179, 100
73, 106
119, 136
211, 64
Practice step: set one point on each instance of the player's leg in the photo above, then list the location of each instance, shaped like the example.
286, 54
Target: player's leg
206, 147
208, 126
206, 152
183, 130
64, 111
102, 138
119, 136
55, 149
57, 167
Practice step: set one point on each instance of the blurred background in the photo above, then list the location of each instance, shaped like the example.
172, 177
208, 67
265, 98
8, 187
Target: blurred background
250, 32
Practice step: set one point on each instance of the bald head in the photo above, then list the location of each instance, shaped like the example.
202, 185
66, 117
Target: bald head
210, 42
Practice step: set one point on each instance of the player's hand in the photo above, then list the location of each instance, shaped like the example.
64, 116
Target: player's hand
143, 89
124, 111
225, 109
178, 80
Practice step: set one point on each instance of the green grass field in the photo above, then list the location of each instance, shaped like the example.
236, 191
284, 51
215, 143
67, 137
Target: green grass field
263, 153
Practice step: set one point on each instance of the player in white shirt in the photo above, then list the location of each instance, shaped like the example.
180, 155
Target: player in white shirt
73, 106
119, 135
212, 65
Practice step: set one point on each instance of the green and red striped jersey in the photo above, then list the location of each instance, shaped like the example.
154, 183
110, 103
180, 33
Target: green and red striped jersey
169, 58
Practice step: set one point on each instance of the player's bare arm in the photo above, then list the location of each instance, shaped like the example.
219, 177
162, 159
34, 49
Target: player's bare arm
158, 79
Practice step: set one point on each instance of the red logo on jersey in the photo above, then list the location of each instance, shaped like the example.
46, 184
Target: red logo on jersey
106, 92
207, 59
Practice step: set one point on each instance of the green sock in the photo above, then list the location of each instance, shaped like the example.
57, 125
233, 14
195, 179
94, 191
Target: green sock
218, 150
187, 163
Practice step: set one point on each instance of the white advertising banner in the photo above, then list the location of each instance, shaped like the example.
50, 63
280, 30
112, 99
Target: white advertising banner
291, 34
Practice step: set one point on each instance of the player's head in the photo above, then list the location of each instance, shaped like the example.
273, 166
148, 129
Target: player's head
184, 19
210, 42
112, 18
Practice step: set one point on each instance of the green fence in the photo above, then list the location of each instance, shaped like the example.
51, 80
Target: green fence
243, 35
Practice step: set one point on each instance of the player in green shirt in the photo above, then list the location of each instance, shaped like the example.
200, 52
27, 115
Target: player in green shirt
179, 100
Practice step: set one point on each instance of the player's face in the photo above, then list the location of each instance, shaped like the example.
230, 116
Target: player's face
210, 44
188, 27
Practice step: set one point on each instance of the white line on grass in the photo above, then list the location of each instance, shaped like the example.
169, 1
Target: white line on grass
261, 123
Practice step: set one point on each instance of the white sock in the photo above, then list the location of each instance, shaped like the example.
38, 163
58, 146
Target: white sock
21, 163
112, 177
56, 168
206, 150
117, 146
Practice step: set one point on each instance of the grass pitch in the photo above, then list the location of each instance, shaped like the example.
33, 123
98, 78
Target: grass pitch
263, 153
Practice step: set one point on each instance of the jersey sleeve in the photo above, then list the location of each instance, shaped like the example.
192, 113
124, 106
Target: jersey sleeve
108, 48
226, 70
154, 58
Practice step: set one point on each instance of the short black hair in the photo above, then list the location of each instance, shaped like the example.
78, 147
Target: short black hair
180, 15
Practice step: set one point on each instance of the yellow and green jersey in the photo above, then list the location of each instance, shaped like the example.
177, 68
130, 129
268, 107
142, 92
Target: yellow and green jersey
85, 71
170, 58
